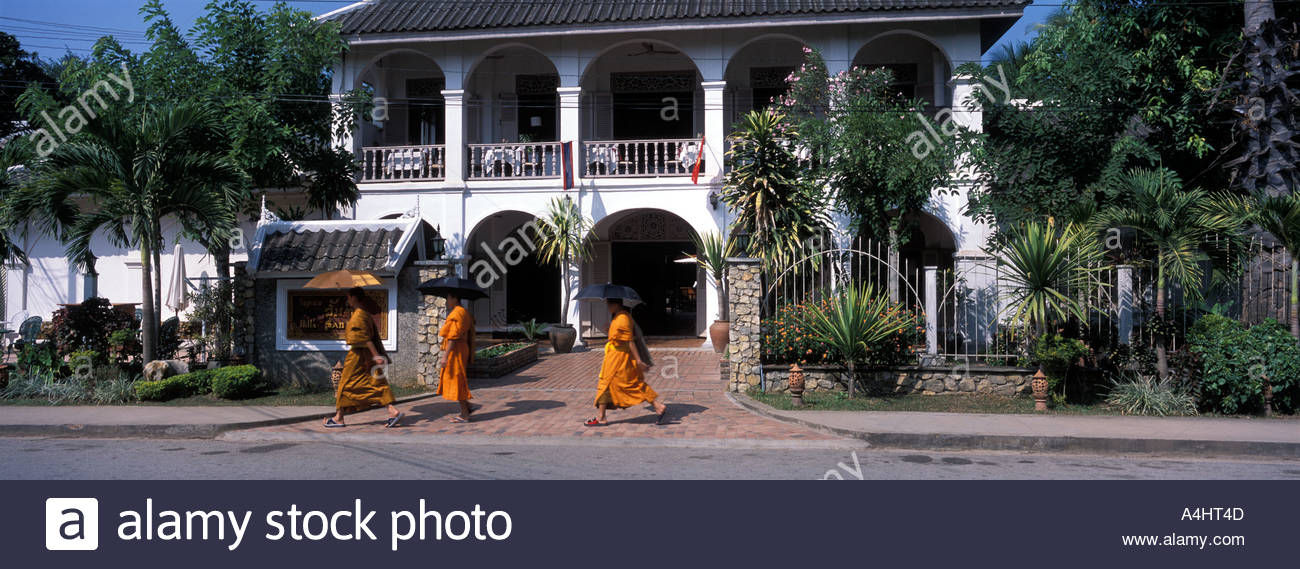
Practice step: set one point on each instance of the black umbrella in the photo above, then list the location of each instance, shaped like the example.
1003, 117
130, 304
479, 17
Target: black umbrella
463, 288
603, 291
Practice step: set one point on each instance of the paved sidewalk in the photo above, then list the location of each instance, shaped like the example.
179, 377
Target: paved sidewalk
1198, 436
551, 398
151, 421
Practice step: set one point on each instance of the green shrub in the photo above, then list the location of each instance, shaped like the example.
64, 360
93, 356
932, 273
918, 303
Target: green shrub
237, 382
499, 349
177, 386
1234, 361
87, 326
1149, 395
787, 340
1056, 354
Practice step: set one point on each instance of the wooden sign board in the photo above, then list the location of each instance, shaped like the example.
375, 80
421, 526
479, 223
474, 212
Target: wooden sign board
324, 314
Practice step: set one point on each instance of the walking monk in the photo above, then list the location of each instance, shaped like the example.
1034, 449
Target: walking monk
458, 346
622, 380
360, 388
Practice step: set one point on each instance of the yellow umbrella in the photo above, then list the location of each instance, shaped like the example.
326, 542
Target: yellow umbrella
343, 279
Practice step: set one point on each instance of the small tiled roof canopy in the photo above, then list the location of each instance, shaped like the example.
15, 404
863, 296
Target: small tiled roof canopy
395, 16
320, 251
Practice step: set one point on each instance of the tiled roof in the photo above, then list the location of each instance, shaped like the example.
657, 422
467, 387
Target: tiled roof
328, 250
383, 16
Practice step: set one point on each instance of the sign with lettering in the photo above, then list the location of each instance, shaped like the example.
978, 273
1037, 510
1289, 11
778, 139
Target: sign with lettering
324, 314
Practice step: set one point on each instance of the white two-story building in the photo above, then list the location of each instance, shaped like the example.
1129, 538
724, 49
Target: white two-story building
474, 101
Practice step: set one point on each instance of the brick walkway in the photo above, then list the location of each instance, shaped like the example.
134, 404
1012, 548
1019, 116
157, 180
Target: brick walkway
553, 396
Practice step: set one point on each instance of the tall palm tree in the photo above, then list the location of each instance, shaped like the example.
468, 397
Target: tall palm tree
1280, 216
767, 189
564, 236
11, 155
132, 171
1185, 226
711, 252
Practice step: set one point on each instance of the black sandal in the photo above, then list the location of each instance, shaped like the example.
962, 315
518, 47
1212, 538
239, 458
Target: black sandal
663, 417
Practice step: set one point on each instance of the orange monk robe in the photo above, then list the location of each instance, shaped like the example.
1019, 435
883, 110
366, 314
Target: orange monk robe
621, 383
453, 384
359, 388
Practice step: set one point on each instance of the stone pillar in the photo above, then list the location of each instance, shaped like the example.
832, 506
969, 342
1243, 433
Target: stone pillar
715, 127
454, 100
432, 310
932, 310
570, 127
245, 325
745, 294
1124, 293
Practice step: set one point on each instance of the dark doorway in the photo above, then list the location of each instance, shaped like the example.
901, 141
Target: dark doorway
667, 287
427, 117
533, 291
538, 104
639, 116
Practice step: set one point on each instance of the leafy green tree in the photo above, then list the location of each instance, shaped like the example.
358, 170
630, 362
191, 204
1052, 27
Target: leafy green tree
132, 173
12, 154
1186, 227
764, 187
1280, 216
17, 69
871, 147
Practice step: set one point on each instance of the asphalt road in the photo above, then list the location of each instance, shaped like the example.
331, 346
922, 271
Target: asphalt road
53, 459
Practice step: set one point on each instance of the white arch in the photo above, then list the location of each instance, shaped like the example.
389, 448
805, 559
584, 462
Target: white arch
371, 63
587, 64
473, 67
731, 58
856, 51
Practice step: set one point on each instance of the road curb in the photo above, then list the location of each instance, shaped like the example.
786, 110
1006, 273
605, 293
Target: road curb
1036, 443
166, 431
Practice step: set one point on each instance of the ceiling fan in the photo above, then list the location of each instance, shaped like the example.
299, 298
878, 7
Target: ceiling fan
649, 49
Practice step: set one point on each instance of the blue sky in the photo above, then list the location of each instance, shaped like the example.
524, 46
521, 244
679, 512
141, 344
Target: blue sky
49, 27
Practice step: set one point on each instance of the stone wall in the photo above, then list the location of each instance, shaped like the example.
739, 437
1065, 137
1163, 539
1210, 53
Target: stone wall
745, 292
431, 312
904, 380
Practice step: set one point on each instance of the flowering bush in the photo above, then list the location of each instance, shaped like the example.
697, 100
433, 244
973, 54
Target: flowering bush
786, 341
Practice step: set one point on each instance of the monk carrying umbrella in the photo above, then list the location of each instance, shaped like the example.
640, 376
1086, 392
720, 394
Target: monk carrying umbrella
622, 372
457, 334
360, 387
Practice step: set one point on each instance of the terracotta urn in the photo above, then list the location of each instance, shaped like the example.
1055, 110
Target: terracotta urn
719, 335
796, 385
336, 375
1039, 386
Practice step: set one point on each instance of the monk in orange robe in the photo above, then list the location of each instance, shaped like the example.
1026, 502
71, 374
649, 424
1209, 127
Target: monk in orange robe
622, 372
363, 384
458, 352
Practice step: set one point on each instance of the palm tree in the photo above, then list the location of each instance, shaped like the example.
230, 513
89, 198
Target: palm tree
767, 190
1280, 216
565, 236
132, 172
853, 319
1045, 267
1185, 227
11, 155
711, 252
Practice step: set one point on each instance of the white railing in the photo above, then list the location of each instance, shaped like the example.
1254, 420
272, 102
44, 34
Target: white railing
403, 163
514, 160
630, 158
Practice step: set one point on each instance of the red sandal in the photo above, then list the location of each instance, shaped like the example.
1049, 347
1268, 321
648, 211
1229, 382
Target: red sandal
592, 422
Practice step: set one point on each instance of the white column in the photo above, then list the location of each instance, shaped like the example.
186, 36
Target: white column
965, 110
715, 125
454, 100
932, 310
570, 127
1124, 287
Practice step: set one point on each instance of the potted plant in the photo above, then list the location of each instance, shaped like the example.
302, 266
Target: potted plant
565, 237
711, 252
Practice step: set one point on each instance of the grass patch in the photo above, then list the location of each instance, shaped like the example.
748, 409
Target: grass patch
293, 396
965, 403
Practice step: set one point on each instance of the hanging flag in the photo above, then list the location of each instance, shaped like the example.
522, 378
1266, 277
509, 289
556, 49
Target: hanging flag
566, 164
699, 158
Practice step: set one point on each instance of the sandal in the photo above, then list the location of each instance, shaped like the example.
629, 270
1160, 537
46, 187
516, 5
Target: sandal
663, 417
330, 423
394, 420
459, 419
592, 422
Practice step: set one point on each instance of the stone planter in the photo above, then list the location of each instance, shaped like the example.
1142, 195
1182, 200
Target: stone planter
562, 337
922, 380
504, 363
719, 333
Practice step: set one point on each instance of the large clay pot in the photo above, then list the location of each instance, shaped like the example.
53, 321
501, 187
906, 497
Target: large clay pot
562, 337
720, 334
